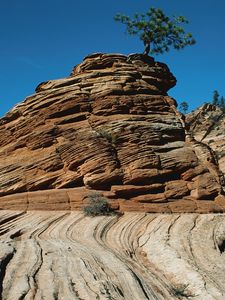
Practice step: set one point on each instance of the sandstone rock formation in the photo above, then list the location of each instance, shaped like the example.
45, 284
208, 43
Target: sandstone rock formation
207, 124
111, 127
55, 255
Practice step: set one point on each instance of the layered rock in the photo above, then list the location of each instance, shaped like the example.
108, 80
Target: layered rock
207, 124
61, 255
111, 127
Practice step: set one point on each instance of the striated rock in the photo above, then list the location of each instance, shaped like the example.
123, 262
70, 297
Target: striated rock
55, 255
110, 126
207, 125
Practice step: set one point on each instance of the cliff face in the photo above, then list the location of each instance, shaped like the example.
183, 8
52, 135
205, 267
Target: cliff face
207, 125
110, 126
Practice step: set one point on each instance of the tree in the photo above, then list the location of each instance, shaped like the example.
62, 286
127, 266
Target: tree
184, 107
157, 31
215, 98
222, 103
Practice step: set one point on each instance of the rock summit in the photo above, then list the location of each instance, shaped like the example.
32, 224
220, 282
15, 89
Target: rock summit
109, 127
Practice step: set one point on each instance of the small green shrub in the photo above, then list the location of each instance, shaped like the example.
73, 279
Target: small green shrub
109, 136
181, 291
97, 205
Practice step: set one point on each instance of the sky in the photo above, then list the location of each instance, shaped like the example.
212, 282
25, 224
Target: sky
42, 40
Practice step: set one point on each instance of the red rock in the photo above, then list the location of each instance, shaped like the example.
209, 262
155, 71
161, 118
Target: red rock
207, 125
150, 198
183, 206
205, 207
128, 191
176, 189
206, 187
220, 201
111, 127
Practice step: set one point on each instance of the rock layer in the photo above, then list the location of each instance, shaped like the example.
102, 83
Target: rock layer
207, 125
55, 255
110, 126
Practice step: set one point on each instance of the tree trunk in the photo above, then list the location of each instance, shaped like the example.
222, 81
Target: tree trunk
147, 48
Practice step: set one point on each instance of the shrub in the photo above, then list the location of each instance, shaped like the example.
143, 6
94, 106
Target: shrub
97, 205
181, 291
109, 136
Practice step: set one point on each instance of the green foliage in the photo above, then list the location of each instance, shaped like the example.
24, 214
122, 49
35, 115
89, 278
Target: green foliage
215, 98
157, 31
109, 136
218, 101
181, 291
184, 107
222, 103
97, 206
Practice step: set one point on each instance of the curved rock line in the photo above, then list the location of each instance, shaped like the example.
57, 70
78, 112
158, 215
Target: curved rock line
65, 255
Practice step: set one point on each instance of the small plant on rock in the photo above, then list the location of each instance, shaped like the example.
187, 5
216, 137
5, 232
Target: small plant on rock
184, 107
97, 205
181, 291
109, 136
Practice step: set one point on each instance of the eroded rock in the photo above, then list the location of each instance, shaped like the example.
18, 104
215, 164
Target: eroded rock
111, 127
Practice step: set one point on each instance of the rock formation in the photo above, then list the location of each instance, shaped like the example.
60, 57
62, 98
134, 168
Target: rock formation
207, 124
55, 255
110, 126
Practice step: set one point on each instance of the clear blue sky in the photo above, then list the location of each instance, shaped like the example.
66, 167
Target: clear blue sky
42, 40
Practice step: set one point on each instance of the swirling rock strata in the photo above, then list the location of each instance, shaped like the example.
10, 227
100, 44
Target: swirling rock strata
110, 126
55, 255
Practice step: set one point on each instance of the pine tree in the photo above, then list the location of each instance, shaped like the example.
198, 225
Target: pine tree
184, 107
157, 31
222, 103
215, 98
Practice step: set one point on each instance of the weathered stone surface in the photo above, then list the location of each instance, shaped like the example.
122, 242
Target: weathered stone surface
206, 187
111, 127
65, 255
176, 189
207, 125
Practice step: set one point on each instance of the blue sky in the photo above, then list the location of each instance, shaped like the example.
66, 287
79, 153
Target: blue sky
42, 40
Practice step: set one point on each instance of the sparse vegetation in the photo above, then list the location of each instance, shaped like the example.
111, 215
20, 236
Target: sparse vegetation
222, 103
109, 136
218, 101
97, 205
181, 291
184, 107
157, 31
215, 98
